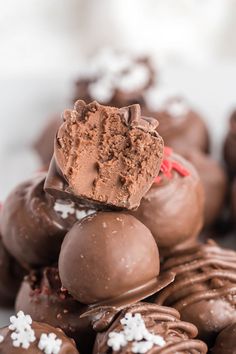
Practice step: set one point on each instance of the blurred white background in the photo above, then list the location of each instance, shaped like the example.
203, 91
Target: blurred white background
43, 43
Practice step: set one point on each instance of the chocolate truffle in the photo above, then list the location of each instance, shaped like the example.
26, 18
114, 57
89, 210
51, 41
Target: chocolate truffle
233, 200
11, 275
110, 258
226, 341
33, 225
42, 297
25, 336
115, 78
181, 127
173, 207
214, 182
105, 156
149, 328
204, 288
230, 146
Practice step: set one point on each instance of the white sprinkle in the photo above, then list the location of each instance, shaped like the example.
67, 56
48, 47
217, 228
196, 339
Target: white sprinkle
50, 344
177, 108
20, 322
116, 340
141, 347
23, 338
64, 209
136, 78
1, 339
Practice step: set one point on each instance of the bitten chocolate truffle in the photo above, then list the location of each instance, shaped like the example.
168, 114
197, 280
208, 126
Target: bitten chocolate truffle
214, 181
105, 156
42, 297
33, 225
204, 288
149, 328
115, 78
11, 275
25, 336
173, 207
226, 341
230, 146
111, 259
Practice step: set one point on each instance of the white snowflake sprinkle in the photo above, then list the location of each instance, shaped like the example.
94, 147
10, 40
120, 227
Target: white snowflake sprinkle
141, 347
20, 322
23, 338
1, 339
49, 344
116, 340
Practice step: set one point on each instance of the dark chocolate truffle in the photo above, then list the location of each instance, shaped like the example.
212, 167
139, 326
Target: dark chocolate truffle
149, 328
115, 78
42, 297
33, 225
173, 207
181, 127
11, 275
230, 146
25, 336
214, 181
226, 341
105, 156
204, 288
111, 259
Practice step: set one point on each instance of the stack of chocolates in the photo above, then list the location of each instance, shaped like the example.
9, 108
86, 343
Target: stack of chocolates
101, 253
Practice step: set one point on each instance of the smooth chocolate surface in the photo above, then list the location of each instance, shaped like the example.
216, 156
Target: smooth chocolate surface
226, 341
173, 207
204, 288
32, 228
42, 297
6, 345
111, 259
230, 146
173, 335
105, 156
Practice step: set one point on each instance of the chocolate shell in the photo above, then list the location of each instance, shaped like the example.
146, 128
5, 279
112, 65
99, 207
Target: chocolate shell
226, 341
230, 146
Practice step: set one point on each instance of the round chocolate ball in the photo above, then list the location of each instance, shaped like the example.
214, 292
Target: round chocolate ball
173, 207
33, 224
226, 341
214, 182
233, 201
157, 329
34, 338
109, 258
204, 288
230, 146
42, 297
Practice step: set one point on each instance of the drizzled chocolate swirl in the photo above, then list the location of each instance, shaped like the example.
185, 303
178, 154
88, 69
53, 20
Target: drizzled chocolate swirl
159, 320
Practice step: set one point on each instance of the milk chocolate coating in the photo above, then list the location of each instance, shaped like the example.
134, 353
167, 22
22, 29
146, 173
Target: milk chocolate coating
6, 346
233, 201
214, 182
42, 297
111, 259
11, 275
230, 146
159, 320
105, 156
173, 208
204, 288
226, 341
32, 231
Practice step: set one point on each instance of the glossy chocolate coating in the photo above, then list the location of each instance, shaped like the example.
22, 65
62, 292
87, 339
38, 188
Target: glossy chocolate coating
6, 346
214, 181
230, 146
32, 231
159, 320
42, 297
110, 258
173, 207
204, 289
105, 156
226, 341
233, 201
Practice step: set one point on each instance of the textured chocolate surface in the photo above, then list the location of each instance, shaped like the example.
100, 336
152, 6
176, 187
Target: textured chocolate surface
204, 289
32, 230
105, 156
230, 146
226, 341
111, 259
177, 336
42, 297
173, 207
6, 346
214, 181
